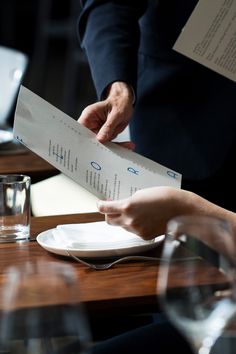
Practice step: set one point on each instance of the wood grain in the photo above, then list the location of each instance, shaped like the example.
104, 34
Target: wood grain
27, 163
128, 287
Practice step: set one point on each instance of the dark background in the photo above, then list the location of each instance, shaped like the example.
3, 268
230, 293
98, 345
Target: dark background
45, 30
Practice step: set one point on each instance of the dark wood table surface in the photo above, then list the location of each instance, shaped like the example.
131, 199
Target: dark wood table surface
26, 162
128, 287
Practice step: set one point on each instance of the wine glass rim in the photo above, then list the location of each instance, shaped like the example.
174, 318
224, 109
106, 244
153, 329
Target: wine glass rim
195, 219
178, 289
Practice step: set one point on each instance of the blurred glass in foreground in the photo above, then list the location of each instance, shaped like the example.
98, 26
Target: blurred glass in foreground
197, 279
41, 312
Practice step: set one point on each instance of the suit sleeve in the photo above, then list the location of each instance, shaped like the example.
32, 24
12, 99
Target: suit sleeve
109, 34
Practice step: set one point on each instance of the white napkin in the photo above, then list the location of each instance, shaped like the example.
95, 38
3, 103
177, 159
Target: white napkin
95, 236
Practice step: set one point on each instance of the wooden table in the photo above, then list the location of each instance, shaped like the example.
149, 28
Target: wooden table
128, 287
26, 162
125, 291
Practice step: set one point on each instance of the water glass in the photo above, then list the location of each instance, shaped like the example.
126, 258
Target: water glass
14, 207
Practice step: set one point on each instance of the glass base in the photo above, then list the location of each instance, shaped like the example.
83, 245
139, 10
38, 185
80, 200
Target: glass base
16, 233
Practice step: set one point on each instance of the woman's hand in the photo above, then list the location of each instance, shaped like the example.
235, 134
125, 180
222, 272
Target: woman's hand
147, 211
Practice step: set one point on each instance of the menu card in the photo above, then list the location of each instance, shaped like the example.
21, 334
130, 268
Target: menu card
107, 170
209, 36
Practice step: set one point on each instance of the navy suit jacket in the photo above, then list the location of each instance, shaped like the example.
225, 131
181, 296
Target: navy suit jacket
184, 113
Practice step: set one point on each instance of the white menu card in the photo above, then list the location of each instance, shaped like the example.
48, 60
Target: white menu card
209, 36
106, 170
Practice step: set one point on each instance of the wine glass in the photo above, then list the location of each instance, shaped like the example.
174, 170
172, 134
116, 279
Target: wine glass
40, 311
197, 278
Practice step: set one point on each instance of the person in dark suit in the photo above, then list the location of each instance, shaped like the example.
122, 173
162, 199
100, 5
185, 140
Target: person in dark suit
181, 114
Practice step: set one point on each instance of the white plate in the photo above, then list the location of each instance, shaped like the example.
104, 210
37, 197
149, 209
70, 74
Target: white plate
5, 136
47, 241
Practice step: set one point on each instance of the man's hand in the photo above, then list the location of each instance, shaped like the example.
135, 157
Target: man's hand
110, 117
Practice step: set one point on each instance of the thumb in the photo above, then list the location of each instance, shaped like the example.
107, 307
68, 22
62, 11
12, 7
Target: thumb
107, 131
109, 206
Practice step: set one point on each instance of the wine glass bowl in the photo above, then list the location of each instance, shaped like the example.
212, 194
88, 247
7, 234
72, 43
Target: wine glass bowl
199, 293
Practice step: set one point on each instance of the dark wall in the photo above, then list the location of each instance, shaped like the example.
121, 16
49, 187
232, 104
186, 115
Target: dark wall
45, 30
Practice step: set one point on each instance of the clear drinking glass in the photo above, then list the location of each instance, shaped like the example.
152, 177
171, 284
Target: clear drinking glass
197, 278
41, 312
14, 207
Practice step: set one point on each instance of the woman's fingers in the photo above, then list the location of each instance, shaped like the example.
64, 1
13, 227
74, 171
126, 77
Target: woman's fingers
109, 207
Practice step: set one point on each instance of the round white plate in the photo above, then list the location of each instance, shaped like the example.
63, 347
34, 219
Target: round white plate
47, 241
5, 136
